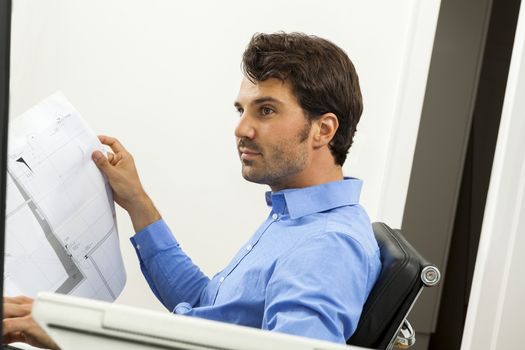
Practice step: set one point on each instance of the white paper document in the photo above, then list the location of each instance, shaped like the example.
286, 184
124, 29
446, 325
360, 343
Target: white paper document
61, 233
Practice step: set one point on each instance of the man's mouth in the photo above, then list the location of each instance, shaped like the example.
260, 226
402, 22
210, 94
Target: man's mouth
248, 154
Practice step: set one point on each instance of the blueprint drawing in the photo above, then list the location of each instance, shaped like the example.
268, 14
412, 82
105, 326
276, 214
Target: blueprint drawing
61, 232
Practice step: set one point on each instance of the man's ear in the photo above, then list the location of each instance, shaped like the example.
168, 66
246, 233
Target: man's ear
325, 128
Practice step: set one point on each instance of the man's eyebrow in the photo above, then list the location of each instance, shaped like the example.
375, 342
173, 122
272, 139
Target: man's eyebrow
260, 100
265, 99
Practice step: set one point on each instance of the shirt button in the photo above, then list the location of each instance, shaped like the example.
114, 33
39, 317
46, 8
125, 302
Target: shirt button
275, 216
138, 246
221, 280
249, 247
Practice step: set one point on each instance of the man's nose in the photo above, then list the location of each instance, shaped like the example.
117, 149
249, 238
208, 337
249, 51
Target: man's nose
245, 128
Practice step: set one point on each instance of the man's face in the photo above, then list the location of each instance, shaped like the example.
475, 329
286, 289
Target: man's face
273, 133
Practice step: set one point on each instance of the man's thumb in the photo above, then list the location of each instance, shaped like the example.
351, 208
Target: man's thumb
101, 161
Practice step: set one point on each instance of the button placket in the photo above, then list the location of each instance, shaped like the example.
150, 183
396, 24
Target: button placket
248, 249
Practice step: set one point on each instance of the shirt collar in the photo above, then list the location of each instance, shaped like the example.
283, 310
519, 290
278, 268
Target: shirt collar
299, 202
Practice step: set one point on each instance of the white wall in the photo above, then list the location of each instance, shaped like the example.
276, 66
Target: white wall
162, 75
496, 306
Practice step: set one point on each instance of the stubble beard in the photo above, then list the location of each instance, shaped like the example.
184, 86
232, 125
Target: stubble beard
280, 162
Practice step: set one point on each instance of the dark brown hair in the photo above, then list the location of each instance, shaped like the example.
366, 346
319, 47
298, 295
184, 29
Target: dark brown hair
322, 77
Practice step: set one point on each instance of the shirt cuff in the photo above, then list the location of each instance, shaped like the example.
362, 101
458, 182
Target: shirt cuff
153, 238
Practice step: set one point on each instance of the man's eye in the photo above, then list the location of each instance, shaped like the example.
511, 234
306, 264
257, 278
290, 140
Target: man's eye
266, 111
240, 111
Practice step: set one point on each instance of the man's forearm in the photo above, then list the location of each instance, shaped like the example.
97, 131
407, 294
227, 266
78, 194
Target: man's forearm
143, 213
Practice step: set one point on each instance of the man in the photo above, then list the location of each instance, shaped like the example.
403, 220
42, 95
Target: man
311, 265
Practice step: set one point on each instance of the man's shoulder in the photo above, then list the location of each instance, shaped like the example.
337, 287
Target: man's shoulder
353, 222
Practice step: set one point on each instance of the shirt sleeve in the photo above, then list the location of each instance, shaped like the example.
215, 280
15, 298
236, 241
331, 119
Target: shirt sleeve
318, 290
170, 273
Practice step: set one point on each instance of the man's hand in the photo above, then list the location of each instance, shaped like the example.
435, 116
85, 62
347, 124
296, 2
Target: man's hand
19, 326
124, 179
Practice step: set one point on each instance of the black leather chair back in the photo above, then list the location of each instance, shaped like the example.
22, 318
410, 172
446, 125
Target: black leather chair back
403, 275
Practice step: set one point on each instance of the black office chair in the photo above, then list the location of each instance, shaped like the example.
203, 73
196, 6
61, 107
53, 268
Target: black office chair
404, 273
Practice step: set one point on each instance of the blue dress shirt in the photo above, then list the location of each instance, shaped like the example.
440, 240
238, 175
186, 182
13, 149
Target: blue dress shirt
307, 270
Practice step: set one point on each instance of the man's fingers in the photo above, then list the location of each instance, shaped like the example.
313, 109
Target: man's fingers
14, 338
16, 310
112, 142
101, 161
14, 325
18, 300
19, 325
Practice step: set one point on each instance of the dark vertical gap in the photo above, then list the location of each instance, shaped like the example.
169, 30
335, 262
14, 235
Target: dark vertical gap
476, 176
5, 40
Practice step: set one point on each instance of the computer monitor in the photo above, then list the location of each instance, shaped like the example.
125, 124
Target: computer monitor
83, 324
5, 40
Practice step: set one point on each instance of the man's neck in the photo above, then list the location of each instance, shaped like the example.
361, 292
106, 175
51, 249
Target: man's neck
311, 177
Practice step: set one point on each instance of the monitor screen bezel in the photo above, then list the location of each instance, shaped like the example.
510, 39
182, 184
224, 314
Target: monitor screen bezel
5, 43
